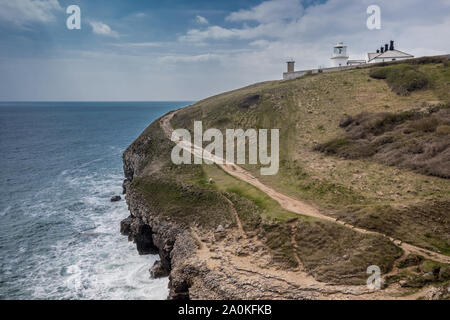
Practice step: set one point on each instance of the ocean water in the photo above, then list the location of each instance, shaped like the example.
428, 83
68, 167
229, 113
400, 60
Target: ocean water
60, 164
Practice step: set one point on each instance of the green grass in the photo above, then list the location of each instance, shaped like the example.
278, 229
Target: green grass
439, 243
319, 242
186, 204
307, 112
269, 208
402, 78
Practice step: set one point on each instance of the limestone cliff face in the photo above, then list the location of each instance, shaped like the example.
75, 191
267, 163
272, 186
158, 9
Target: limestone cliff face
151, 233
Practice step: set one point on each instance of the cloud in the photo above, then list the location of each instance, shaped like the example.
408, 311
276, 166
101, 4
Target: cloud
269, 11
272, 16
140, 15
274, 30
326, 23
201, 20
190, 58
103, 29
248, 46
213, 32
138, 44
25, 12
260, 43
284, 28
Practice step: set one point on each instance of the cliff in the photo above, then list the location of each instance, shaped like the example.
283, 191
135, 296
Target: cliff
333, 210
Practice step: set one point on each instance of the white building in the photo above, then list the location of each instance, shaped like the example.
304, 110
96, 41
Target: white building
340, 60
340, 57
387, 53
384, 54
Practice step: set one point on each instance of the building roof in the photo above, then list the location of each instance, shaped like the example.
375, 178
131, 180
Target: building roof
389, 55
371, 55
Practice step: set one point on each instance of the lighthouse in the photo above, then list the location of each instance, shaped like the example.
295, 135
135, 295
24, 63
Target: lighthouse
340, 57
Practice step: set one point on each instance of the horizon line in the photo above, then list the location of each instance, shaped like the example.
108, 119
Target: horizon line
83, 101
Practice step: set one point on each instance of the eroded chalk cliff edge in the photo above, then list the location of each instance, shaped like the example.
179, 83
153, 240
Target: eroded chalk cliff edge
151, 233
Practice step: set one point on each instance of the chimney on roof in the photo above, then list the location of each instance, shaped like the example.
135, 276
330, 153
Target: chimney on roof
382, 49
386, 47
392, 45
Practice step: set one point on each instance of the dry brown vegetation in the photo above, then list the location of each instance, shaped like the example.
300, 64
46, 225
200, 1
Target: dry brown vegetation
414, 140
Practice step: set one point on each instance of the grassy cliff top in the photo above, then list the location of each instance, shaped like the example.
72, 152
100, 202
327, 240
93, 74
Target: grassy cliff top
322, 162
366, 189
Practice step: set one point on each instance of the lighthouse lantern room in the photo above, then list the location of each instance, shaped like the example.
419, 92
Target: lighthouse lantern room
340, 57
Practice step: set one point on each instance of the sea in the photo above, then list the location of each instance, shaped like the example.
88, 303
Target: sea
60, 163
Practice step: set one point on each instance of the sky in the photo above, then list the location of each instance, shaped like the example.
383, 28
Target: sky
143, 50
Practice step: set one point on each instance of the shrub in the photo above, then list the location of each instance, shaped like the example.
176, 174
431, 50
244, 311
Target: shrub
429, 60
379, 73
402, 79
443, 130
410, 261
345, 121
425, 124
411, 139
248, 101
333, 146
389, 120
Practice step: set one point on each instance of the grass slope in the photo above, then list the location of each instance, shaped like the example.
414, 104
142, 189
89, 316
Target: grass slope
308, 112
363, 190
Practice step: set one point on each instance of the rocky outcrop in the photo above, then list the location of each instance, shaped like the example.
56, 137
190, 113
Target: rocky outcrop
125, 185
140, 233
116, 198
158, 270
155, 235
137, 155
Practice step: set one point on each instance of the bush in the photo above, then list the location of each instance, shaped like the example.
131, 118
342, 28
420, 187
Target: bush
402, 79
425, 124
389, 120
410, 139
443, 130
333, 146
410, 261
379, 73
429, 60
345, 121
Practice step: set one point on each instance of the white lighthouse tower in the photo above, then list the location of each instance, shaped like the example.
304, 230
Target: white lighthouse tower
340, 57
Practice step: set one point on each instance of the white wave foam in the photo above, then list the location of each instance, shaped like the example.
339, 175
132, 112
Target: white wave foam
101, 263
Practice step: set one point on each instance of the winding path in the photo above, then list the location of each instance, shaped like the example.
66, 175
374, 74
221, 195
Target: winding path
287, 202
